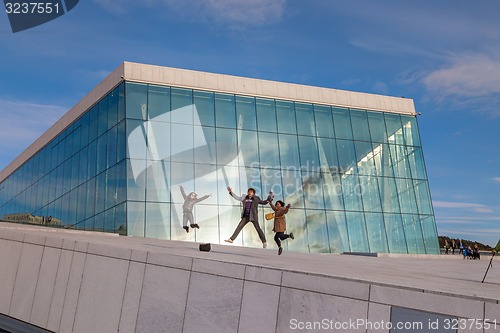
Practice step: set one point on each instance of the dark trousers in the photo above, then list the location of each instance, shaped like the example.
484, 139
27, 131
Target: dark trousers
279, 236
243, 222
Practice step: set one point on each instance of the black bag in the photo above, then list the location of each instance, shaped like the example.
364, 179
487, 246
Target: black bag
205, 247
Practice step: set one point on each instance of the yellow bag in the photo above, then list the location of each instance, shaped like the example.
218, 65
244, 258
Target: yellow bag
269, 216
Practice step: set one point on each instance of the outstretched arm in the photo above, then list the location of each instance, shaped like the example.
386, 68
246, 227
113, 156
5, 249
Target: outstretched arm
273, 207
182, 191
233, 195
287, 208
263, 202
203, 198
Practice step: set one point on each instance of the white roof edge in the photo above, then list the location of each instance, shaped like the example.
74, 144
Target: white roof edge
185, 78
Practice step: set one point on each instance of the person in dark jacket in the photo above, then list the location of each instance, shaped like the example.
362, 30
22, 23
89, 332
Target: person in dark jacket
250, 203
187, 208
280, 223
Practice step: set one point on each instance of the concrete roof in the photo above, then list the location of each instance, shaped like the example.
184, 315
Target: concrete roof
448, 275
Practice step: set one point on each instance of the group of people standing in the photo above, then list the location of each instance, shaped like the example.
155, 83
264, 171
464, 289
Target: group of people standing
250, 203
468, 252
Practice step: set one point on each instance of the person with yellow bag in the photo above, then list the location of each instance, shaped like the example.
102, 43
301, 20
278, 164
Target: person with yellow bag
279, 223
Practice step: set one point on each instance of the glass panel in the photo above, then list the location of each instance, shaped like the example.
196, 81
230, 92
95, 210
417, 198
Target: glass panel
90, 199
159, 103
324, 121
308, 153
394, 128
423, 197
93, 124
180, 174
227, 152
370, 193
112, 146
135, 218
182, 106
225, 115
292, 188
359, 121
413, 232
158, 220
231, 216
109, 220
206, 216
285, 115
182, 143
395, 234
347, 157
204, 102
204, 141
266, 115
112, 108
401, 167
316, 231
100, 192
342, 123
99, 222
337, 231
306, 124
249, 148
406, 195
120, 142
102, 150
269, 152
245, 113
103, 116
136, 139
376, 232
136, 100
352, 193
358, 240
410, 130
289, 151
364, 156
111, 195
92, 159
389, 195
377, 127
416, 161
228, 176
430, 234
312, 187
157, 186
121, 184
205, 183
296, 223
121, 103
121, 219
136, 179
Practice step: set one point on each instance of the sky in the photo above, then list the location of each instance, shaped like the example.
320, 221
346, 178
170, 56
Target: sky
445, 55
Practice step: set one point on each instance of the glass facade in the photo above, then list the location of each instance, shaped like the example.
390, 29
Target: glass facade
355, 178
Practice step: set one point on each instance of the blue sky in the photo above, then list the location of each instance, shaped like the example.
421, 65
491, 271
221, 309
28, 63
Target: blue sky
443, 54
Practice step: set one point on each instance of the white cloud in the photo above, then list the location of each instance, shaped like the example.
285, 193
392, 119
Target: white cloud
478, 208
23, 122
468, 75
497, 179
247, 12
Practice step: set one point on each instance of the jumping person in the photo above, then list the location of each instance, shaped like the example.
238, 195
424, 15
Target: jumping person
280, 223
250, 203
187, 208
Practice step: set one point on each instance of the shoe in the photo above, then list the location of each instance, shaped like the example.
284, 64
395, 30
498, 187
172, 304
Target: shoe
186, 228
292, 236
264, 245
280, 251
192, 225
196, 226
229, 240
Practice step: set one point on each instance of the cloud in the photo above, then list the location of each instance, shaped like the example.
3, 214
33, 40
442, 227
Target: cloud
248, 12
478, 208
468, 75
23, 122
497, 179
